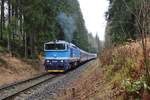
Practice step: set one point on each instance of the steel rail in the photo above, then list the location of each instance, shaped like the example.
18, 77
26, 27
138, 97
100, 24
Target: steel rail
21, 81
12, 89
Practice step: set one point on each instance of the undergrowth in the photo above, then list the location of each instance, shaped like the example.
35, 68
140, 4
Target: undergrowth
2, 49
126, 65
2, 61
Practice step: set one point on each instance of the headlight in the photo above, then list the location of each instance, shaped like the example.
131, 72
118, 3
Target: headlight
61, 61
47, 61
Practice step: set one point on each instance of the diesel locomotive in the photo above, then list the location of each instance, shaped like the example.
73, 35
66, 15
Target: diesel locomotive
60, 56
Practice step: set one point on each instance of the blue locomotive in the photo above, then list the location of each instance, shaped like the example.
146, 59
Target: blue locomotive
61, 56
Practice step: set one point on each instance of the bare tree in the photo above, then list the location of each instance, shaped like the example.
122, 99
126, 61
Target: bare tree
141, 13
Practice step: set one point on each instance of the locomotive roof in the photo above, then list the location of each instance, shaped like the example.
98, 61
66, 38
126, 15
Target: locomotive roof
56, 41
64, 42
60, 41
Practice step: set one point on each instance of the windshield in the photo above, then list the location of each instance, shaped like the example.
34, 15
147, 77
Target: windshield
54, 46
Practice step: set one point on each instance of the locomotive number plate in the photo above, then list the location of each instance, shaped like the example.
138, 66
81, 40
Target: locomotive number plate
54, 61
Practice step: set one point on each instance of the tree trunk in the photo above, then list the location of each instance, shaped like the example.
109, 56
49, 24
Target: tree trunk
32, 44
9, 30
2, 19
25, 48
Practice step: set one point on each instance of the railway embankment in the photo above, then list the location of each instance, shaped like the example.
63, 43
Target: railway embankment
14, 69
117, 75
53, 88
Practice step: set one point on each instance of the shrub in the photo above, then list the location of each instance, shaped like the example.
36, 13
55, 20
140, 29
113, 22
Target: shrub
2, 61
134, 87
2, 49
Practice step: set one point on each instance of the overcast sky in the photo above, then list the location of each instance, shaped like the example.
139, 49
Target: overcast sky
94, 16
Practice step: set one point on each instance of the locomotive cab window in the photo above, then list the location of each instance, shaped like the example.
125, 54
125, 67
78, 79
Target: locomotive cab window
54, 46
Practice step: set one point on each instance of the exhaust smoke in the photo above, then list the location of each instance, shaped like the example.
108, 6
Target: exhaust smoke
67, 24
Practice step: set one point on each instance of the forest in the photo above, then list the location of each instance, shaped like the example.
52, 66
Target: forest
127, 41
121, 70
127, 19
25, 25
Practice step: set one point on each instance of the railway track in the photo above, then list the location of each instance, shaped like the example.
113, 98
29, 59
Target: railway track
10, 91
7, 92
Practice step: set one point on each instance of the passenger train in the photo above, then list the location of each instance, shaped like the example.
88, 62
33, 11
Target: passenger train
61, 56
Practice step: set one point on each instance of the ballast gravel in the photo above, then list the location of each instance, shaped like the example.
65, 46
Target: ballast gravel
50, 89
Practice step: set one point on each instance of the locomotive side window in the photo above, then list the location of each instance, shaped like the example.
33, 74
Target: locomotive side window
54, 46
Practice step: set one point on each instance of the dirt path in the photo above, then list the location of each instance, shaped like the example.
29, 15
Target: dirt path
91, 85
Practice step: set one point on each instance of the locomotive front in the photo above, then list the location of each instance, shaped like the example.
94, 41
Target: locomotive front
56, 56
